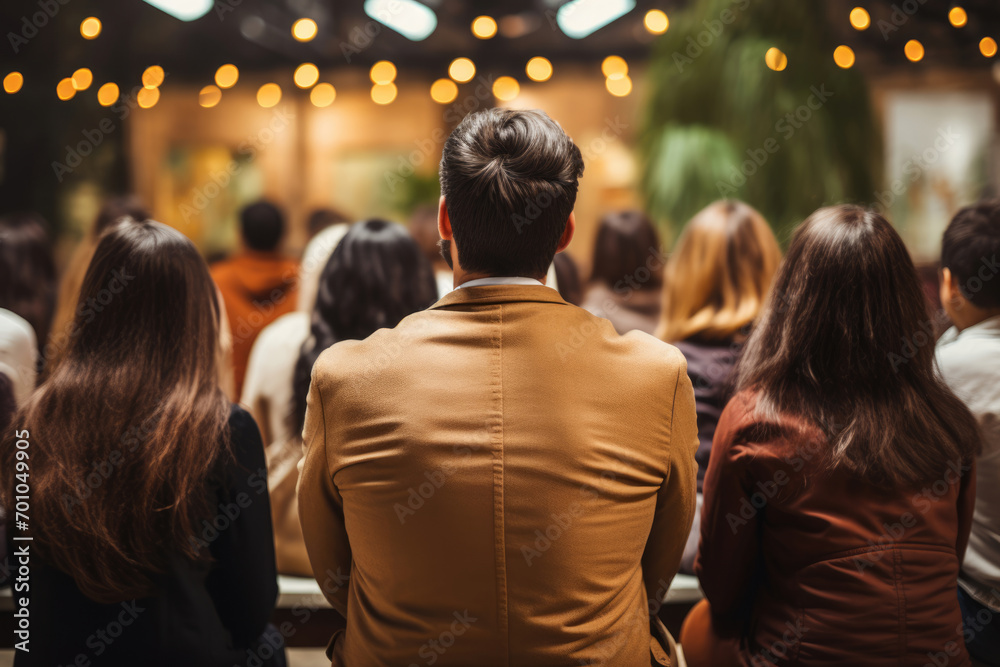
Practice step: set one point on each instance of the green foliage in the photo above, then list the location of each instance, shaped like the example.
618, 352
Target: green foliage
719, 123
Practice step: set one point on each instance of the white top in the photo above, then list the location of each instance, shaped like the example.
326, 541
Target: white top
18, 354
500, 280
970, 364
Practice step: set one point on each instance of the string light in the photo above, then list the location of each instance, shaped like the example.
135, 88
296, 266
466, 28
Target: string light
227, 76
958, 17
322, 95
506, 88
656, 21
843, 56
462, 70
82, 78
614, 66
108, 94
988, 47
383, 93
914, 50
860, 18
13, 82
444, 91
269, 95
619, 85
538, 69
209, 96
148, 97
304, 30
306, 75
152, 77
90, 28
484, 27
65, 90
383, 72
776, 59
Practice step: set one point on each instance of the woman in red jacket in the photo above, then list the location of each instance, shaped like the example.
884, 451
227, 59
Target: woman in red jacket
839, 493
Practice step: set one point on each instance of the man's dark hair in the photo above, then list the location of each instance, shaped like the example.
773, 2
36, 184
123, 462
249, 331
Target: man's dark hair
262, 225
509, 179
970, 249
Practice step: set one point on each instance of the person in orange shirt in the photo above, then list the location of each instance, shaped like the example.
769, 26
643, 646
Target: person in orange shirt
258, 284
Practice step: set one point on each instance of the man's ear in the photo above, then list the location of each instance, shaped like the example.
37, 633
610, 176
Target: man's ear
567, 234
444, 222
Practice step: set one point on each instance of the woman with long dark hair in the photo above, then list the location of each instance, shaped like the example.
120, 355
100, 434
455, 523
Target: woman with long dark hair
149, 504
839, 494
376, 276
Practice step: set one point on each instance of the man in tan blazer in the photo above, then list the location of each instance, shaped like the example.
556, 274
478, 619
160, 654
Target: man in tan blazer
501, 479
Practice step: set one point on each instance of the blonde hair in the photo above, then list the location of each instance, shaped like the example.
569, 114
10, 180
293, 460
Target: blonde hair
718, 274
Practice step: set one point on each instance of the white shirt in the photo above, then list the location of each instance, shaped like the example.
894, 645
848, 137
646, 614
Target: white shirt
501, 280
970, 364
18, 354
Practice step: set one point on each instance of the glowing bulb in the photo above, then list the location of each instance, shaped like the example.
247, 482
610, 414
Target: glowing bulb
322, 95
484, 27
444, 91
860, 18
383, 93
461, 70
776, 59
914, 50
227, 76
148, 97
108, 94
538, 69
958, 17
152, 77
506, 88
383, 72
13, 82
306, 75
65, 90
656, 22
843, 56
209, 96
90, 28
619, 85
304, 30
988, 47
269, 95
614, 65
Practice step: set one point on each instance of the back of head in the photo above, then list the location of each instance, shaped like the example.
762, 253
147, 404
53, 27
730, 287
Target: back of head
568, 278
626, 241
424, 229
322, 218
970, 248
27, 271
376, 276
137, 389
718, 273
262, 225
509, 179
830, 346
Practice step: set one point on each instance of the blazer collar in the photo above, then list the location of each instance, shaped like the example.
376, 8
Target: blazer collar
490, 294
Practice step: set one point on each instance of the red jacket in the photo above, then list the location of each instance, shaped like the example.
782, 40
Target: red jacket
811, 567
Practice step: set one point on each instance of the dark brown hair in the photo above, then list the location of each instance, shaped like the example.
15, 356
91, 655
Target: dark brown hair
27, 272
128, 427
509, 179
834, 343
971, 244
626, 240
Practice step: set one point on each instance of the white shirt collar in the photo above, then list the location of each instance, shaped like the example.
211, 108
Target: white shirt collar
501, 280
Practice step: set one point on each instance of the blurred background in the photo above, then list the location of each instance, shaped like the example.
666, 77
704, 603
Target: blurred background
200, 106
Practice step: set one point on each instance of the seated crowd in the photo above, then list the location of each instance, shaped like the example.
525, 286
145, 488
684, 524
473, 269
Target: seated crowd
484, 460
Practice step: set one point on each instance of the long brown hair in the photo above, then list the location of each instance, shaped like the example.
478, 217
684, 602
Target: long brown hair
718, 274
131, 422
842, 341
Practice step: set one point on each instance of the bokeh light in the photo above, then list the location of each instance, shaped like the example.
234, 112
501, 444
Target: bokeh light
65, 90
153, 77
306, 75
538, 69
383, 72
843, 56
209, 96
304, 30
90, 27
444, 91
957, 17
614, 65
383, 93
860, 19
461, 70
227, 76
914, 50
13, 82
82, 78
506, 88
322, 95
619, 85
484, 27
108, 94
269, 95
656, 21
988, 47
148, 97
776, 59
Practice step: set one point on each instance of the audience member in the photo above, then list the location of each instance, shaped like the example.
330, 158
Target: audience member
322, 218
258, 285
484, 469
18, 355
716, 280
114, 209
568, 277
839, 495
135, 455
627, 273
968, 355
27, 272
376, 277
424, 228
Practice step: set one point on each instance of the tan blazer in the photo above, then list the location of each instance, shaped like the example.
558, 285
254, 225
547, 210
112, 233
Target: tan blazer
499, 480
